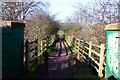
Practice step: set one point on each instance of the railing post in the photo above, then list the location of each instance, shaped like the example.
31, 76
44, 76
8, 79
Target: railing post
78, 55
49, 40
77, 45
37, 51
46, 54
102, 49
90, 48
41, 44
73, 42
27, 56
83, 45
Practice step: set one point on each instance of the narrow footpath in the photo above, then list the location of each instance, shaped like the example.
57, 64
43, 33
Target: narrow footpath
64, 66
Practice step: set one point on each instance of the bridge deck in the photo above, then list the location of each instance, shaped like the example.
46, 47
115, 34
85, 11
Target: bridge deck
64, 66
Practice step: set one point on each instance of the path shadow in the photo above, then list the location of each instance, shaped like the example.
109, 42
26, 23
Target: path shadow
84, 71
62, 67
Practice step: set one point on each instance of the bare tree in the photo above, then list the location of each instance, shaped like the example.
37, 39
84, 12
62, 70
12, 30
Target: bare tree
19, 10
99, 11
42, 24
95, 16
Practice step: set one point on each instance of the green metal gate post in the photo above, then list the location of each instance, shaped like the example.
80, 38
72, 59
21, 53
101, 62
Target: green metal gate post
112, 50
12, 50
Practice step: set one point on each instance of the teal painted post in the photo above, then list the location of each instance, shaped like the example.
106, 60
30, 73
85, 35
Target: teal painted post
112, 51
12, 52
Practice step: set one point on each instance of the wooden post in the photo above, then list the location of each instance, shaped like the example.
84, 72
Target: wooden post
49, 38
45, 46
90, 48
27, 56
83, 47
101, 60
73, 42
52, 39
45, 54
41, 44
37, 51
49, 41
78, 55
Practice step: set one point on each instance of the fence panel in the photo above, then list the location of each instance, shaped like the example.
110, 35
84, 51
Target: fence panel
92, 53
32, 53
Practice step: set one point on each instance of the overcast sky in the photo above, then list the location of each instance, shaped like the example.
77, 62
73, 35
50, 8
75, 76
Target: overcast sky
64, 8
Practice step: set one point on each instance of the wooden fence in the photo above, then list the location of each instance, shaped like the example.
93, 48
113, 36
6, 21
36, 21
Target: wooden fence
92, 53
45, 42
32, 53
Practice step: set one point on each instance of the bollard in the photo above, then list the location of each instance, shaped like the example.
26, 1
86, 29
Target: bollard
77, 63
45, 54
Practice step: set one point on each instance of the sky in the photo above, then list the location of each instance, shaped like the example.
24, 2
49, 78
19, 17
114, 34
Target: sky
64, 8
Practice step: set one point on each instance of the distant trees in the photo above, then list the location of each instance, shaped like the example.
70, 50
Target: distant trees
71, 28
42, 24
94, 17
